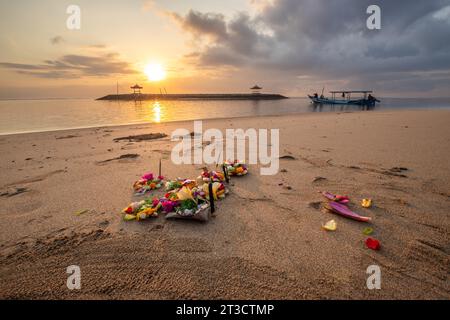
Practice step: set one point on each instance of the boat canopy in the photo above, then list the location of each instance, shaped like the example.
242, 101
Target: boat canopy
347, 94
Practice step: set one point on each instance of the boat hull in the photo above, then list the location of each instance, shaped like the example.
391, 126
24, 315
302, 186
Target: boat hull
359, 102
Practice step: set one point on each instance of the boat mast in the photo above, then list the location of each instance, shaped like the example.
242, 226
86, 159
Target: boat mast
117, 89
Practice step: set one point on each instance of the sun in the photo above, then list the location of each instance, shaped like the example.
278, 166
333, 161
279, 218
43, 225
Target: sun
155, 72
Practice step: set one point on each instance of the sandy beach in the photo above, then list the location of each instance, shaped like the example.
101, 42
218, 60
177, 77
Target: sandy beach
266, 241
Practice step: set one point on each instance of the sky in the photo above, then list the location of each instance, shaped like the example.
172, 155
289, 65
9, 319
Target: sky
293, 47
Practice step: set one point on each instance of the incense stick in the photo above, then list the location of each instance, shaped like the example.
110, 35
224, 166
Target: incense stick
225, 173
218, 157
211, 197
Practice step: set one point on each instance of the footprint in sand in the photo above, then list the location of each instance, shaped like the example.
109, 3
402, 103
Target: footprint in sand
287, 157
142, 137
103, 224
319, 179
35, 178
13, 192
122, 157
66, 137
315, 205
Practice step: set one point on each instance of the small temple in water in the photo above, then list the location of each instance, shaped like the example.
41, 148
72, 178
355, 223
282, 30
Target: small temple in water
256, 89
136, 89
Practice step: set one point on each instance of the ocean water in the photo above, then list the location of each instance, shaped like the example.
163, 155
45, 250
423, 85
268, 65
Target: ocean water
18, 116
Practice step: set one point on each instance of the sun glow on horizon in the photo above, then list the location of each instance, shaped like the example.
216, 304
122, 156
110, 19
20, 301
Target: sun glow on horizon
155, 72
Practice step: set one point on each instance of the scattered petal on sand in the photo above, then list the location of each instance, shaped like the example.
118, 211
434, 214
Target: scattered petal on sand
373, 244
330, 225
80, 212
129, 217
366, 203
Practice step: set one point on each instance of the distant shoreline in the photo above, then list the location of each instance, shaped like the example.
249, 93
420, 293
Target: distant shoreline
195, 96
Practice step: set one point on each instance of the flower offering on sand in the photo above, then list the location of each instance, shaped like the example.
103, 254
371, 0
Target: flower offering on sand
174, 184
236, 168
147, 183
185, 198
218, 189
213, 176
142, 210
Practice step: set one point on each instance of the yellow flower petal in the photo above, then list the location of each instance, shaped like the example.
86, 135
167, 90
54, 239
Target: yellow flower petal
330, 225
184, 194
366, 203
129, 217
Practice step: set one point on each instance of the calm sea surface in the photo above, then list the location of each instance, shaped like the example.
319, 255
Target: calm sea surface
18, 116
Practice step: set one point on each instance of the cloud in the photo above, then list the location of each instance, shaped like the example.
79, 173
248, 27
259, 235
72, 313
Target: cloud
19, 66
203, 24
329, 40
227, 42
56, 40
97, 46
442, 14
74, 66
148, 5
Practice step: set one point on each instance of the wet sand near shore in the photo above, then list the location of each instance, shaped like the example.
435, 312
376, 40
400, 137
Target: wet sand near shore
266, 241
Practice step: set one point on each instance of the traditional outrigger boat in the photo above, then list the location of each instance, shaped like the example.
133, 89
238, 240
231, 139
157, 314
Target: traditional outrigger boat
346, 98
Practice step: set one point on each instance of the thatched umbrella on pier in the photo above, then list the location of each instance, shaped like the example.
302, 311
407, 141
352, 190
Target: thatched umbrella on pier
256, 89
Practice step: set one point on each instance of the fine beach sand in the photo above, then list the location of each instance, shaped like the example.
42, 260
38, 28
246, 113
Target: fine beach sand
266, 241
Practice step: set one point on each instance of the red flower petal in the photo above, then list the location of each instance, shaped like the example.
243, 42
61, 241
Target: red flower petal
373, 244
